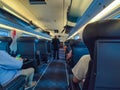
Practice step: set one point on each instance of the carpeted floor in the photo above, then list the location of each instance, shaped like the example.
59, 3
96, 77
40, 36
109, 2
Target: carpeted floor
54, 78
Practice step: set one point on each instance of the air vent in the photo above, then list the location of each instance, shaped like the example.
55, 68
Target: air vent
37, 1
56, 31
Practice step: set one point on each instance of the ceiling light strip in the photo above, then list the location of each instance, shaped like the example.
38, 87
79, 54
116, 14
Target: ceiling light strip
113, 6
11, 28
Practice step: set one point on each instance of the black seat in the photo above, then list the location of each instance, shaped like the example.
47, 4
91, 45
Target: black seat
17, 84
5, 43
103, 41
26, 47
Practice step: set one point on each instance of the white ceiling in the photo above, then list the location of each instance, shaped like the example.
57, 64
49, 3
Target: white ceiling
49, 16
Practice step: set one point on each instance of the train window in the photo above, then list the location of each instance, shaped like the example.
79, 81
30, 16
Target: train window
4, 32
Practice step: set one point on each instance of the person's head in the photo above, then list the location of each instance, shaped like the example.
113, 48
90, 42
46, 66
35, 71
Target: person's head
55, 36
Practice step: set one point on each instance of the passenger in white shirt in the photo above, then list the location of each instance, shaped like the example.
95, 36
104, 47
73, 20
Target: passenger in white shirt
80, 69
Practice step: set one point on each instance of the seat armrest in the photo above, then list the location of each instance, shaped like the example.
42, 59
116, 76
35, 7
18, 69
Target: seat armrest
17, 84
1, 88
27, 61
73, 86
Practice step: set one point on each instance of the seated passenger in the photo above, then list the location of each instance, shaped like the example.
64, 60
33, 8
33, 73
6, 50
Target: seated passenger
69, 55
10, 68
65, 47
80, 69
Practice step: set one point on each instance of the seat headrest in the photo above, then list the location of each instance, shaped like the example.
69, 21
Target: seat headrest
6, 39
106, 29
27, 39
42, 40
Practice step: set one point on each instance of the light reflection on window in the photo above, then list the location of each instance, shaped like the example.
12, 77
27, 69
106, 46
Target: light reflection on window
4, 32
76, 37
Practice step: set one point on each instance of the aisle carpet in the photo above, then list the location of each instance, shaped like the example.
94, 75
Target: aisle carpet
54, 78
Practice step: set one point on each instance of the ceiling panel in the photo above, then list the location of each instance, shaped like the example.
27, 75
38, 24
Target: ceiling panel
50, 16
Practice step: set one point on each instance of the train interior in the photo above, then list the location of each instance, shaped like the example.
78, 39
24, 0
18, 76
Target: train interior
27, 28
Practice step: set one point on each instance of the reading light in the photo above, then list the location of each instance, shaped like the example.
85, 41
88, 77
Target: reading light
11, 28
113, 6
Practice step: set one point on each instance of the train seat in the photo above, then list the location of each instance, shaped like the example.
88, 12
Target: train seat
42, 47
49, 48
5, 43
103, 41
16, 84
26, 47
78, 50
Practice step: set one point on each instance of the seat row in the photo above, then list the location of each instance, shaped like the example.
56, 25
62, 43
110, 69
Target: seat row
35, 50
102, 39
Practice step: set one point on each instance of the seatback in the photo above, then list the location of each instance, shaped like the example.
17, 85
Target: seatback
26, 47
17, 83
108, 64
5, 43
78, 50
68, 47
49, 48
102, 39
42, 46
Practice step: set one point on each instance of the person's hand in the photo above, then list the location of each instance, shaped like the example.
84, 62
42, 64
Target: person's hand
19, 58
25, 59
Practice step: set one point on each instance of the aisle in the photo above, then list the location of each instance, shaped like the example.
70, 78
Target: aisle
55, 76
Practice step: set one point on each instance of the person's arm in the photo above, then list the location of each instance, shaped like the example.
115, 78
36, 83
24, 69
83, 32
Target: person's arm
80, 69
76, 80
9, 62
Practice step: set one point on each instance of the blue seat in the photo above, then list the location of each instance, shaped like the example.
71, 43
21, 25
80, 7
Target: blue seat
103, 41
5, 43
49, 48
26, 47
17, 84
78, 50
42, 47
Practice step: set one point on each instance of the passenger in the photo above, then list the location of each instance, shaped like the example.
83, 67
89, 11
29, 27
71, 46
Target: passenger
56, 45
80, 69
69, 55
65, 48
10, 68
